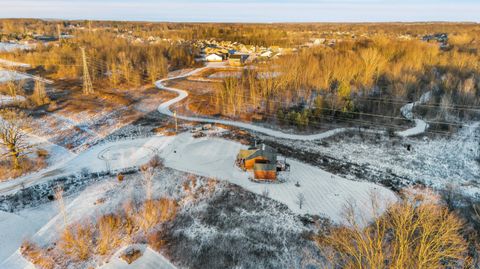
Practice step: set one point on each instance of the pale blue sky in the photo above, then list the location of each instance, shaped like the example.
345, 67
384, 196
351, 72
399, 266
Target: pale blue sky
246, 10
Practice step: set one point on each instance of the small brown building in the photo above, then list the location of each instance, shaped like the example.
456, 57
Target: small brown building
262, 160
237, 59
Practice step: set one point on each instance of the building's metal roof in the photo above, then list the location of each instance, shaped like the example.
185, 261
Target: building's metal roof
264, 167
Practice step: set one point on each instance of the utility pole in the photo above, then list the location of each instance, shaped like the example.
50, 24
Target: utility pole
176, 124
87, 82
59, 32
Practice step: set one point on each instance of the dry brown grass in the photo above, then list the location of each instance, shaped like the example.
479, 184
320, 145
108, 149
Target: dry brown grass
36, 255
77, 241
154, 212
80, 241
110, 237
27, 166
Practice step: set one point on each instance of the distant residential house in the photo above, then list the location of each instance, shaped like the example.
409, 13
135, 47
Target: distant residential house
237, 59
214, 58
267, 54
319, 41
45, 38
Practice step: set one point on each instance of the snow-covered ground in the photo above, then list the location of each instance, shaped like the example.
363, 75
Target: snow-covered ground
4, 46
46, 222
84, 207
113, 155
56, 153
225, 74
435, 162
7, 100
45, 227
150, 259
15, 227
325, 194
8, 63
7, 75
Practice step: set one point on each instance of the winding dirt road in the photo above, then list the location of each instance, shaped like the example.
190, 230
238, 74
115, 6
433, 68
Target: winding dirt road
164, 108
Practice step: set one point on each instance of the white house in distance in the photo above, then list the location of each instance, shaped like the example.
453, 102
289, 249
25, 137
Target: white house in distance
213, 58
267, 54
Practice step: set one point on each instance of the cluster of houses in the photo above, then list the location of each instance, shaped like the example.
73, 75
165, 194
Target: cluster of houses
237, 54
262, 161
440, 38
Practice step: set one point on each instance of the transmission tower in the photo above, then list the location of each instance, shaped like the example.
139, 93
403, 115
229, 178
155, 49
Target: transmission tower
87, 82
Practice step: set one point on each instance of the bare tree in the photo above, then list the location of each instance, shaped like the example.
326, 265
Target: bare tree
300, 200
39, 94
12, 136
148, 173
61, 203
265, 192
15, 86
156, 163
414, 233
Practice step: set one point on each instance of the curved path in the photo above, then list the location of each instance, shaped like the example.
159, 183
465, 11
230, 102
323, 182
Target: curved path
164, 108
407, 112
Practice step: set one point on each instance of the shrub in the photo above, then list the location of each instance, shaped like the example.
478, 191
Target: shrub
411, 234
155, 212
156, 162
36, 255
109, 229
130, 255
76, 241
156, 240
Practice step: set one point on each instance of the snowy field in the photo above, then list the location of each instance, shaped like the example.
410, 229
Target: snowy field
225, 74
150, 259
112, 156
12, 64
41, 225
7, 100
325, 194
435, 162
4, 46
6, 75
15, 227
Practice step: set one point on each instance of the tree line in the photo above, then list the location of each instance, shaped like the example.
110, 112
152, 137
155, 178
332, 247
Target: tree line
355, 76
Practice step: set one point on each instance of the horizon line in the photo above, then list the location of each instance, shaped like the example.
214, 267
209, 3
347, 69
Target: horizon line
247, 22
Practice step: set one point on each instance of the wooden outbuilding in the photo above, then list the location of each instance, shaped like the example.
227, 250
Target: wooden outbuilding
237, 59
261, 160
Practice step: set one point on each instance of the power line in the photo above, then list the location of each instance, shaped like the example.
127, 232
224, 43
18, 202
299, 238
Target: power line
273, 117
354, 113
354, 121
